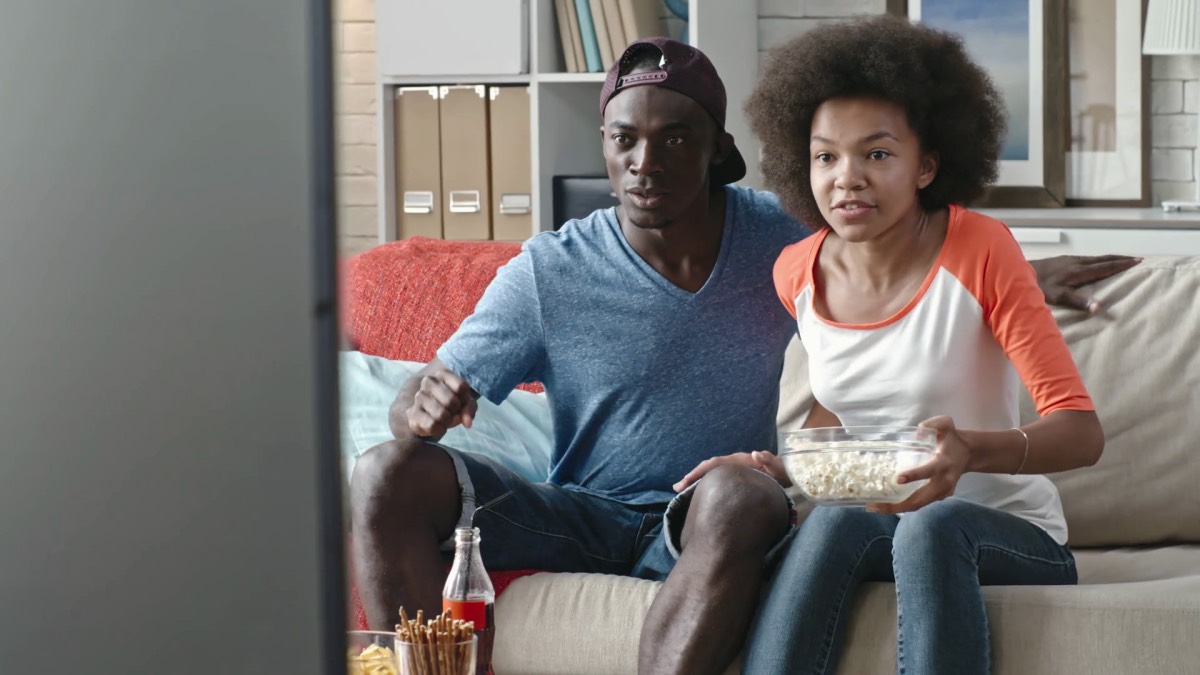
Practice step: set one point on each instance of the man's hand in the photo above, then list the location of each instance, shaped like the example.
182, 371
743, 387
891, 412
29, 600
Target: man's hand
767, 462
1061, 277
443, 402
432, 401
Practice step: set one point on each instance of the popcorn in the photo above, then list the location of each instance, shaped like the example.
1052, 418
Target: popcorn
835, 472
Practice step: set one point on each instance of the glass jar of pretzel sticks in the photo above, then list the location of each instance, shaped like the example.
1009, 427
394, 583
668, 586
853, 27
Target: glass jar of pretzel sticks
441, 646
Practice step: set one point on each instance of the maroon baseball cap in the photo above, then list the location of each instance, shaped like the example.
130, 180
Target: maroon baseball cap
684, 69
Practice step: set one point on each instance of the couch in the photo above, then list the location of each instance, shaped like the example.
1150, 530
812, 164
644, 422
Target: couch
1134, 517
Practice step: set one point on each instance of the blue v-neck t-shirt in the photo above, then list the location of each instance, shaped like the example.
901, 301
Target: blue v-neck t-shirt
644, 379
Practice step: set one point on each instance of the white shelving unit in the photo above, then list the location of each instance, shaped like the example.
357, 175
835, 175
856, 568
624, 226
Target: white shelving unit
1097, 231
564, 120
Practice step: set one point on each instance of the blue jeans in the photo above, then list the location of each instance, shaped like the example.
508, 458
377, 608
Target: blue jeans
938, 557
542, 526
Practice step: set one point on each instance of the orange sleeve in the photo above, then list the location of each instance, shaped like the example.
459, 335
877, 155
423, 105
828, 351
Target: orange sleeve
792, 271
1015, 309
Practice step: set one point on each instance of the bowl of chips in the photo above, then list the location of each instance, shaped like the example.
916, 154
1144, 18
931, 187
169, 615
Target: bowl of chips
371, 652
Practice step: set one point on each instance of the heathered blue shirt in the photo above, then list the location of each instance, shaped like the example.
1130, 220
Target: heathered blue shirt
644, 379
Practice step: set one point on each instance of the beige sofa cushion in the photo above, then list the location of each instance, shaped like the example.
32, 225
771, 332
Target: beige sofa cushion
1135, 565
583, 624
1137, 612
1140, 360
1140, 627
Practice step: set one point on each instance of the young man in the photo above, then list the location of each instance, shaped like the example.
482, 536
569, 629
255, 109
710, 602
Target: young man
658, 335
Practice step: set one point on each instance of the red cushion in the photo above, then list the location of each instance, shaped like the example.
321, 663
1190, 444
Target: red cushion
500, 580
407, 297
402, 300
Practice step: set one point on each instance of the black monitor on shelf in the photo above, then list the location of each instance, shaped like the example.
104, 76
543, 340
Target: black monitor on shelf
577, 196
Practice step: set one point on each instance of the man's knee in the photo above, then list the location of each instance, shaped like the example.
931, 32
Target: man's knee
401, 476
738, 504
384, 466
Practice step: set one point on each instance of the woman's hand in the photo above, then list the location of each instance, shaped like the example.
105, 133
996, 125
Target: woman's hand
949, 463
767, 462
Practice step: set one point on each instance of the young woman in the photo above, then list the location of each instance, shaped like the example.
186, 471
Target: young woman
913, 310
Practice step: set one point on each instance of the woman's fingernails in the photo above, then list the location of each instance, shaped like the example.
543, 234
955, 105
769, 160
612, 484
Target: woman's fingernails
1093, 307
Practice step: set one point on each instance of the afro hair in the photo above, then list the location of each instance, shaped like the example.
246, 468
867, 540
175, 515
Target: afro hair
950, 103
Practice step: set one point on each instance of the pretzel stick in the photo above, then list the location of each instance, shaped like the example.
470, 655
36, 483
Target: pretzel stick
420, 649
439, 659
456, 665
466, 634
431, 647
435, 655
447, 645
431, 651
448, 640
448, 649
411, 652
459, 655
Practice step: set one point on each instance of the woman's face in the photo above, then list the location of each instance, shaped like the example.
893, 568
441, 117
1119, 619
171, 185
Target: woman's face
866, 166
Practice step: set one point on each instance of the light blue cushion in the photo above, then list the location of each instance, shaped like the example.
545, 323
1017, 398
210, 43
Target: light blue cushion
516, 433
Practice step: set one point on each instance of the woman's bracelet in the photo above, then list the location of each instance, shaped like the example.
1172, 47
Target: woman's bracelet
1026, 455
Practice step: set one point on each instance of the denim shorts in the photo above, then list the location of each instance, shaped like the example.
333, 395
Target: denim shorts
542, 526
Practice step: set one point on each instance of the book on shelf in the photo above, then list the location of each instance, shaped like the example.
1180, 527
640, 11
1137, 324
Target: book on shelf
616, 27
587, 31
641, 19
594, 33
600, 25
568, 35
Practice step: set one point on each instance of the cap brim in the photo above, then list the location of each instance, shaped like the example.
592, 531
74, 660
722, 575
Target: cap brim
731, 170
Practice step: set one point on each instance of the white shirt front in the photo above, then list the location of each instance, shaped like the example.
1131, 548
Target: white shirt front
950, 351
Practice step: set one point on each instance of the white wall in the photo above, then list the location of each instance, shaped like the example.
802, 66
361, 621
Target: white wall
1174, 105
354, 72
781, 20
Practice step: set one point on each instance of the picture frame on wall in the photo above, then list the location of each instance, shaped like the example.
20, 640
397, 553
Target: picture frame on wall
1023, 46
1108, 162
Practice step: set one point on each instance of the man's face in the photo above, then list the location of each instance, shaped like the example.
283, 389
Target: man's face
658, 147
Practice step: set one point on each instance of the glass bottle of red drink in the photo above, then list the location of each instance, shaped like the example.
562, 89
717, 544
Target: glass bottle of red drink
469, 595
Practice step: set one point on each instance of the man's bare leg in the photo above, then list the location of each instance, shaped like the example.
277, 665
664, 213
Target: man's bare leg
404, 501
699, 618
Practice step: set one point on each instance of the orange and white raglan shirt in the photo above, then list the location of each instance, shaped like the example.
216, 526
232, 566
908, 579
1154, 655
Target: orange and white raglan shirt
962, 346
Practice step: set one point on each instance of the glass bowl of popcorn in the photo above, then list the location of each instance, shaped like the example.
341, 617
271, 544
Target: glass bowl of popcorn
855, 466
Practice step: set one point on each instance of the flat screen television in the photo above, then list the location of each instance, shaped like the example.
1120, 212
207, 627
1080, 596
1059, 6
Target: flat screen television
169, 473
